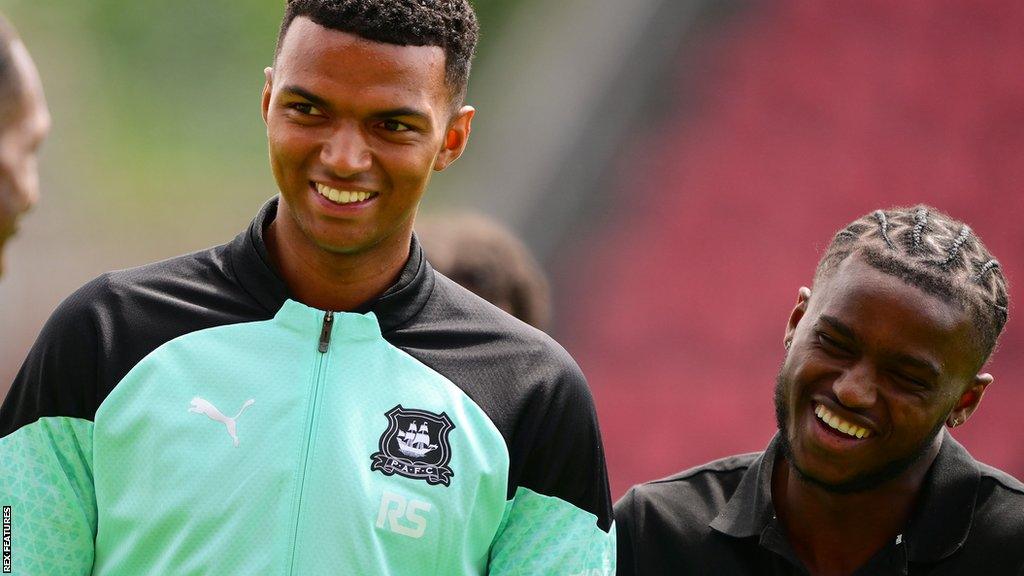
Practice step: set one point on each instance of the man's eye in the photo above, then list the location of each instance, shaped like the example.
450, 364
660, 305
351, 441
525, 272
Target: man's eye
307, 109
910, 380
830, 344
395, 126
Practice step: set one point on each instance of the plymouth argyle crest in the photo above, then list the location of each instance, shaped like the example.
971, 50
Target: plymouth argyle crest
415, 445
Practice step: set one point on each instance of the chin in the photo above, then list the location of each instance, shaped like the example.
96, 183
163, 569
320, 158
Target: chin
832, 480
350, 244
341, 248
862, 481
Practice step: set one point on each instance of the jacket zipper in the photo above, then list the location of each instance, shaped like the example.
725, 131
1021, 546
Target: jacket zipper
323, 345
325, 332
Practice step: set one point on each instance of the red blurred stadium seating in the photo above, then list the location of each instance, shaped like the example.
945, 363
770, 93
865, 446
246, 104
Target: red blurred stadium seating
798, 117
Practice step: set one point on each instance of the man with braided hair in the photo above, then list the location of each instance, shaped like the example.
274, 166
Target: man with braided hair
883, 354
311, 398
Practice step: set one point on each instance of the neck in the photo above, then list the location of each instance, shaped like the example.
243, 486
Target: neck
333, 280
837, 533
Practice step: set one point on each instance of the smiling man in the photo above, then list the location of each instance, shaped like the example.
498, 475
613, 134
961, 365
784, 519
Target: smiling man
24, 123
883, 353
311, 398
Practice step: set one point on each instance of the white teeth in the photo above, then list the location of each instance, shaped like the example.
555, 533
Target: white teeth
342, 196
837, 423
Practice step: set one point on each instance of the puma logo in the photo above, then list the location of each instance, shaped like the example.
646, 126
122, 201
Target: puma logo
201, 406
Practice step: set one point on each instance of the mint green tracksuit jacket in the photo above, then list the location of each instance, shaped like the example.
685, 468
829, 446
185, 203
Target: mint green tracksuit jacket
189, 418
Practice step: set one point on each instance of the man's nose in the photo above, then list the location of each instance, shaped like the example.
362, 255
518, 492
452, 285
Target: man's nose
347, 152
856, 387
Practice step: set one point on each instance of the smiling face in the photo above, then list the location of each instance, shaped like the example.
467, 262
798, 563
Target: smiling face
26, 124
355, 128
875, 368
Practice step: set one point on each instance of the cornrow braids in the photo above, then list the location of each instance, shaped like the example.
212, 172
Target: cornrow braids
954, 248
920, 221
937, 254
883, 227
985, 269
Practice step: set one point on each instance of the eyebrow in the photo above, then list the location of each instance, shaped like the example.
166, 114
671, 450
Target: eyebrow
313, 98
838, 326
899, 358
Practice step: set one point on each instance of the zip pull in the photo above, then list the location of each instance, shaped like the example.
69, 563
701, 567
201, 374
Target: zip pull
325, 333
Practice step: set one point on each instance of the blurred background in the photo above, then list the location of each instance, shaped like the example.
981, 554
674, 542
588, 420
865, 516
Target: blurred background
677, 166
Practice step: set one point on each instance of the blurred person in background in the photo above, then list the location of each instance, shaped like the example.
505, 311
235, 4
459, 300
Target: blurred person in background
480, 254
24, 123
882, 355
311, 397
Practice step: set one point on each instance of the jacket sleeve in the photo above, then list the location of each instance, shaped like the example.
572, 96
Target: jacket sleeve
559, 517
46, 425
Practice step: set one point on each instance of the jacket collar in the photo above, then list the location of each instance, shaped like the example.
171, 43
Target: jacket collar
253, 269
937, 529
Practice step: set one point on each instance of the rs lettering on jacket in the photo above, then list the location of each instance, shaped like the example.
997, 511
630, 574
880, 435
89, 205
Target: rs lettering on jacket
402, 516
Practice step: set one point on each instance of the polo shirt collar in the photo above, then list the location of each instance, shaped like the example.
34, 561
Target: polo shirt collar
750, 509
944, 514
938, 528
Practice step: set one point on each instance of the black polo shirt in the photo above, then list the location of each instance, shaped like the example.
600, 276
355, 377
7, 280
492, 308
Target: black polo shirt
718, 520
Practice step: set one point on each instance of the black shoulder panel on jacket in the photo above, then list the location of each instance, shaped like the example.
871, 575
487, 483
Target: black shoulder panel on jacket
529, 386
106, 327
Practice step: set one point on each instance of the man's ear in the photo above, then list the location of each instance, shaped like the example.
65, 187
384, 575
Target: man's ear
969, 400
803, 295
268, 86
455, 138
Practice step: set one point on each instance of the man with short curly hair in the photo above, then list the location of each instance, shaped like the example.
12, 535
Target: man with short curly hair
311, 398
